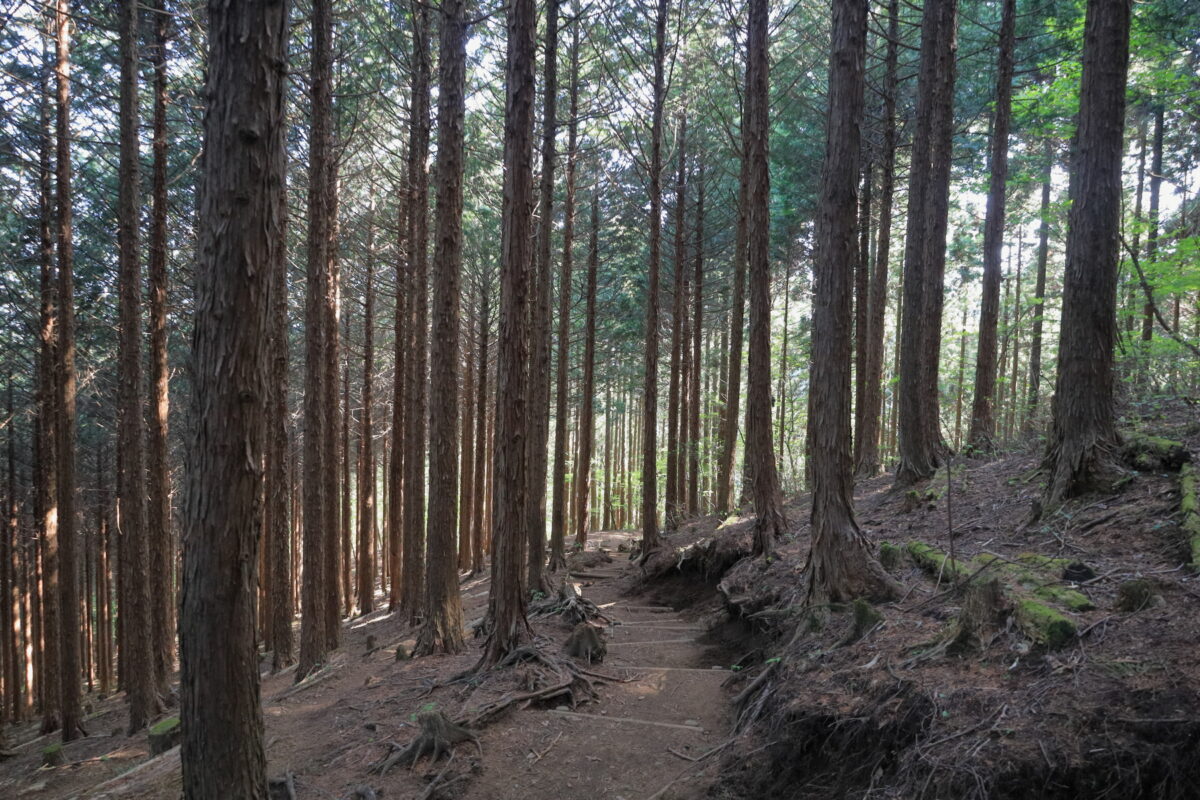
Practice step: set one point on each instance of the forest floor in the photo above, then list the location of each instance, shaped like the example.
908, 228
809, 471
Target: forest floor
723, 683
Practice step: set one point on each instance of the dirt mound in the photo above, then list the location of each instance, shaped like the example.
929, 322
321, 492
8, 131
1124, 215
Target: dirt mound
1013, 667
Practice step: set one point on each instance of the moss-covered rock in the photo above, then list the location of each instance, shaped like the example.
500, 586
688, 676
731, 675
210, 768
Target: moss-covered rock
1189, 507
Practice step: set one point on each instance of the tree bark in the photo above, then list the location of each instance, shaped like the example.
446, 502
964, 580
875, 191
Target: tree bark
442, 630
982, 433
65, 388
869, 462
678, 306
366, 474
538, 412
650, 537
44, 602
140, 680
317, 458
481, 441
1039, 291
841, 567
281, 609
769, 522
693, 422
401, 390
240, 216
921, 445
505, 621
558, 514
586, 432
413, 587
158, 516
466, 432
1083, 436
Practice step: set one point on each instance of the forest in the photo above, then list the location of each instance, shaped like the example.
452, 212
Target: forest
655, 399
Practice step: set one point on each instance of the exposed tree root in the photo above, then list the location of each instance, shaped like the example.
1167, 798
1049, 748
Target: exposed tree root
437, 738
568, 603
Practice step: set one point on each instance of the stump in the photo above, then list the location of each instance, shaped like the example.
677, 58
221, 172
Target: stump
585, 643
437, 738
164, 736
53, 756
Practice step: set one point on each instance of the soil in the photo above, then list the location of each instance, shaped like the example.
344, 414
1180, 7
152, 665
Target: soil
719, 681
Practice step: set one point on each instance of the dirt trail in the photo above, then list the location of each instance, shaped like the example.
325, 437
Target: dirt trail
638, 736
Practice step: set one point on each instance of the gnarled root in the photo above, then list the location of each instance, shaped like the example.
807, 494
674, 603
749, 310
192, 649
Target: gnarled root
568, 603
437, 738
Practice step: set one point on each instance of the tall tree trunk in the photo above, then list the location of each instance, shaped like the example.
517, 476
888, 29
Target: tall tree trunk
481, 441
317, 458
921, 445
862, 268
558, 514
841, 565
1083, 436
131, 509
586, 433
769, 522
65, 388
678, 305
1156, 176
242, 208
281, 609
158, 514
1039, 291
506, 622
8, 618
538, 412
44, 593
693, 450
733, 382
982, 432
366, 474
413, 586
401, 389
442, 630
466, 432
337, 509
869, 461
650, 377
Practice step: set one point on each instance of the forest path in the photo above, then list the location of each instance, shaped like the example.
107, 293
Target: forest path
635, 738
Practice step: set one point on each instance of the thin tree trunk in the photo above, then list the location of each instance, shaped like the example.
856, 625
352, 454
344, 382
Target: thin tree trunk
317, 458
1156, 176
221, 711
982, 432
869, 461
769, 522
366, 475
64, 400
281, 608
413, 587
558, 514
538, 411
442, 630
1083, 436
401, 389
733, 383
862, 268
140, 681
482, 444
586, 433
466, 432
650, 374
337, 509
841, 565
44, 590
693, 453
1039, 291
679, 304
158, 516
506, 622
925, 246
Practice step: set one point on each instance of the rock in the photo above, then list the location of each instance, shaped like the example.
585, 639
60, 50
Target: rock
402, 653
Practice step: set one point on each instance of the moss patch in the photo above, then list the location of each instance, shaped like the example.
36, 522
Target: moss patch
1043, 624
